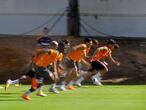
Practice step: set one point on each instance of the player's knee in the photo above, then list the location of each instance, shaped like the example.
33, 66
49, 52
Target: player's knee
32, 89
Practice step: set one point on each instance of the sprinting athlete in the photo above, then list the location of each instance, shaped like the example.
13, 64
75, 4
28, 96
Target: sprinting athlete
77, 55
43, 62
98, 63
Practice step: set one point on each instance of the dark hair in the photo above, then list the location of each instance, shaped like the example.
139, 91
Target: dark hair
116, 47
111, 41
46, 29
87, 40
95, 41
66, 41
61, 44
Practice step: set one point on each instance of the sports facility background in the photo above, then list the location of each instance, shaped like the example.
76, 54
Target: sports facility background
123, 20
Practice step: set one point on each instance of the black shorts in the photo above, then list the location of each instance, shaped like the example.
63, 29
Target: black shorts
44, 73
31, 74
40, 71
97, 65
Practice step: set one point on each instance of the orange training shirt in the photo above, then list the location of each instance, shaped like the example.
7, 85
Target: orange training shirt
77, 55
59, 57
102, 53
45, 59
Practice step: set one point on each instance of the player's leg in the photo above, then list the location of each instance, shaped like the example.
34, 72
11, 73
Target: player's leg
39, 89
75, 74
40, 71
13, 82
100, 68
26, 95
78, 82
68, 65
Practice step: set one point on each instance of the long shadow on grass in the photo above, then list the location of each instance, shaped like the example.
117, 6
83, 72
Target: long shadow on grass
11, 99
8, 93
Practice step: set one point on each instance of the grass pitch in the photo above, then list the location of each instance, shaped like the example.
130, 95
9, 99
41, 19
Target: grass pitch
84, 98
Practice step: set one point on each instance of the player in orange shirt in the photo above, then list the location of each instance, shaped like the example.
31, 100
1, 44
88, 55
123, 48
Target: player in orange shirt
98, 60
42, 61
84, 70
98, 63
77, 55
31, 73
62, 46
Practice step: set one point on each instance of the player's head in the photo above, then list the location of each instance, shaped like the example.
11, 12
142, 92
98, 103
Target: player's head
88, 42
54, 45
95, 43
63, 45
45, 30
66, 42
111, 43
116, 47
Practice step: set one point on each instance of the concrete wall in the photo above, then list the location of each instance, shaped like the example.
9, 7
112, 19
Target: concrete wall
110, 17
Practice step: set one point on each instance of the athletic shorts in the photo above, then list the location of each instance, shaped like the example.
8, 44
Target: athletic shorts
40, 71
31, 74
44, 73
97, 65
70, 64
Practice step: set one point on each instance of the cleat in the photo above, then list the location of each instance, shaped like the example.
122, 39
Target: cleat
54, 91
62, 89
26, 97
78, 84
70, 87
17, 85
98, 83
8, 82
41, 94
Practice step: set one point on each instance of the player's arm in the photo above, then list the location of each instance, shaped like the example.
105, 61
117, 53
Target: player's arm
95, 52
86, 63
113, 60
55, 70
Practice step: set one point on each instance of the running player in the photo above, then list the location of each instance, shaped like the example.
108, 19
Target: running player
43, 61
31, 73
62, 46
84, 70
98, 63
73, 59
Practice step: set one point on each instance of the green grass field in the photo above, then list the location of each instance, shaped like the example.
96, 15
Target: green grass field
85, 98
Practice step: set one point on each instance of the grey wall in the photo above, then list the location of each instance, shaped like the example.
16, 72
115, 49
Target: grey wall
110, 17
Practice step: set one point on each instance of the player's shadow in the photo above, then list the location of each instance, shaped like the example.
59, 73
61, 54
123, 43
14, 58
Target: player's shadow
11, 99
7, 93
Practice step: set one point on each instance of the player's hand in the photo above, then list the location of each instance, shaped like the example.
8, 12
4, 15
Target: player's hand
117, 63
